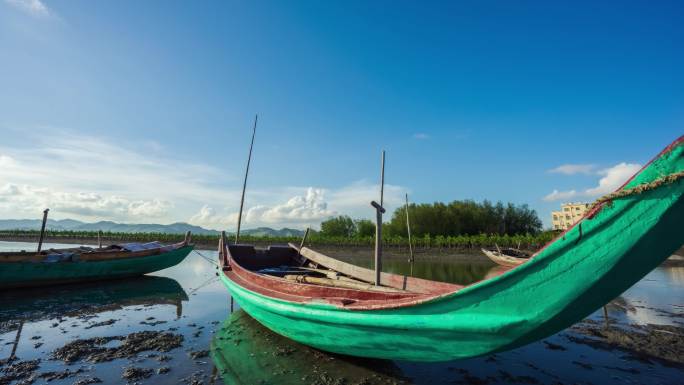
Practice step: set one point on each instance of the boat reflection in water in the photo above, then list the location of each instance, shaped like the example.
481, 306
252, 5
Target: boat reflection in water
36, 304
245, 352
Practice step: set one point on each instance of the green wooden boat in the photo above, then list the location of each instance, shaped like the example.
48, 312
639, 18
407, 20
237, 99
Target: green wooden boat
59, 266
327, 304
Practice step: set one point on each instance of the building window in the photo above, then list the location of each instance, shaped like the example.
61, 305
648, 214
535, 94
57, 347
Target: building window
566, 209
555, 217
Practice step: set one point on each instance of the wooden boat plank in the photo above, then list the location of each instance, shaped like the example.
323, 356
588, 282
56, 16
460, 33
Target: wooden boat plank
396, 281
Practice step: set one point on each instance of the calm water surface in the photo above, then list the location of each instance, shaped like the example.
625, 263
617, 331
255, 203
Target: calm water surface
224, 346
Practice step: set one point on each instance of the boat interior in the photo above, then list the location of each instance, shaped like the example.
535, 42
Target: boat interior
87, 253
512, 252
295, 274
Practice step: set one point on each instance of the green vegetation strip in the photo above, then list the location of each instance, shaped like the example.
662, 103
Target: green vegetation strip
524, 241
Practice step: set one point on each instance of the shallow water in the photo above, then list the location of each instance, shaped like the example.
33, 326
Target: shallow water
218, 347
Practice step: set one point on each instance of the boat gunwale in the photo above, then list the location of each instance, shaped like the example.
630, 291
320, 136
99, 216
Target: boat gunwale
346, 298
92, 256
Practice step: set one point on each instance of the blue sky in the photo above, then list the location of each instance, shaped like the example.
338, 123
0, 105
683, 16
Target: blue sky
141, 111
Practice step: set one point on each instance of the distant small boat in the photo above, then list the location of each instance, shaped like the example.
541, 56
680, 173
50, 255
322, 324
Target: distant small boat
81, 264
507, 257
331, 305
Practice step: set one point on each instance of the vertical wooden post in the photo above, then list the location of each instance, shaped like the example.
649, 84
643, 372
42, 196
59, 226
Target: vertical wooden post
223, 258
188, 238
99, 239
244, 184
379, 210
42, 230
306, 234
382, 179
408, 229
16, 342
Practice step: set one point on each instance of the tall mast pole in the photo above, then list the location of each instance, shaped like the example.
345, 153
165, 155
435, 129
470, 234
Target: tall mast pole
379, 210
408, 229
244, 184
382, 179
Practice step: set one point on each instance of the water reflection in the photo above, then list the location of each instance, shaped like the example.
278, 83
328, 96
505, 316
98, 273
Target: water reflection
245, 352
436, 269
676, 274
87, 299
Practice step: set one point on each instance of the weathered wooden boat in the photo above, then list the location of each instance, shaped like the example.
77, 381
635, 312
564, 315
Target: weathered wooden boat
625, 235
79, 264
507, 257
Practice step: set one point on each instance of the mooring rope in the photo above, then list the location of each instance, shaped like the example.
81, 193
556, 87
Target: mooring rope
668, 179
207, 258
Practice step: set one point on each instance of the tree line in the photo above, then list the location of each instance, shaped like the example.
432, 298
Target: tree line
457, 218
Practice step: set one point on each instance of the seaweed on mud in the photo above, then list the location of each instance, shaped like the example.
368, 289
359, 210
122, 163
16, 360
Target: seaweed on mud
50, 376
198, 354
103, 323
133, 373
646, 343
88, 381
94, 349
21, 371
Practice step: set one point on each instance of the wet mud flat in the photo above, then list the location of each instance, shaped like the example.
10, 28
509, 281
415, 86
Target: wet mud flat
112, 359
180, 328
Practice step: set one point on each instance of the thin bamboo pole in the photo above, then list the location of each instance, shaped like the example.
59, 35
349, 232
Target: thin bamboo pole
16, 342
382, 179
244, 184
42, 230
306, 234
408, 229
379, 210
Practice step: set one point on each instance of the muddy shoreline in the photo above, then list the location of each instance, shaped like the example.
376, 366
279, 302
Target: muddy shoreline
147, 355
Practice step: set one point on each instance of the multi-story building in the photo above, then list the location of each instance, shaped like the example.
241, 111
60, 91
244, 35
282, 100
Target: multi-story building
568, 215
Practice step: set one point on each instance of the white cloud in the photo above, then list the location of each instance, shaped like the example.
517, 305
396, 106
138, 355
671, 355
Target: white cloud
561, 195
33, 7
571, 169
35, 199
421, 135
308, 206
90, 178
299, 209
612, 178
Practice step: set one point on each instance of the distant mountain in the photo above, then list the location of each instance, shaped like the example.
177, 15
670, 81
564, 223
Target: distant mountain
269, 232
174, 228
